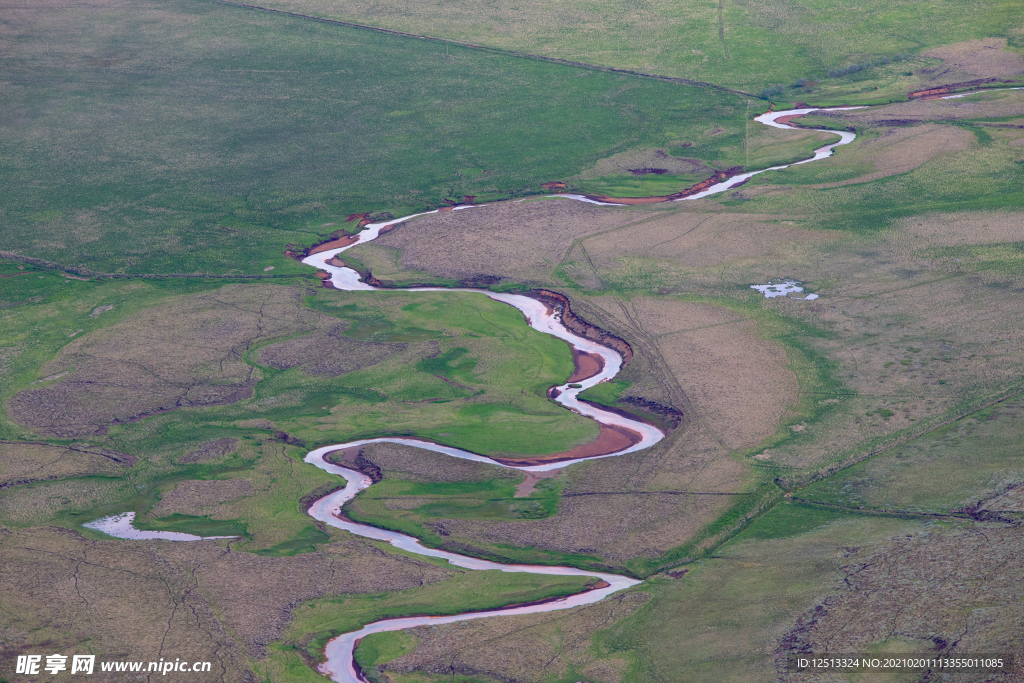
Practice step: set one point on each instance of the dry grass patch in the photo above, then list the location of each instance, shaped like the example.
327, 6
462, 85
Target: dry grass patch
211, 451
25, 463
139, 600
697, 240
415, 464
326, 352
739, 384
517, 240
899, 150
200, 497
188, 352
986, 58
966, 227
617, 524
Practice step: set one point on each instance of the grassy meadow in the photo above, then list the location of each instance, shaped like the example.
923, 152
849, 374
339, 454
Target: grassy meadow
188, 137
746, 44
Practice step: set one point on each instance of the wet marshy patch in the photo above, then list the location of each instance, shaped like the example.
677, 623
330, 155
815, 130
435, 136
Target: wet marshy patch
791, 289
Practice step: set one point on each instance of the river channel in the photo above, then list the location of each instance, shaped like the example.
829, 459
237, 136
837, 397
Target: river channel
339, 664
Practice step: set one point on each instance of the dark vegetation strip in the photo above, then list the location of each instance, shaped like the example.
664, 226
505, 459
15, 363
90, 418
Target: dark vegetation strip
968, 514
721, 27
493, 50
116, 456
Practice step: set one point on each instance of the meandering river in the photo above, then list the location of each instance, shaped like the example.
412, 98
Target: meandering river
339, 664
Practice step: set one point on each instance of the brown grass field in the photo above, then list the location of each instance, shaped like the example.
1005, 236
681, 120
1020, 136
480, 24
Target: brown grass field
985, 58
847, 585
899, 150
198, 497
326, 352
516, 240
67, 594
185, 353
738, 383
691, 236
23, 463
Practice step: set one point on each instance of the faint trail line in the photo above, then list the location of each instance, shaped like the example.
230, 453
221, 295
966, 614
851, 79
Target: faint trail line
496, 50
721, 27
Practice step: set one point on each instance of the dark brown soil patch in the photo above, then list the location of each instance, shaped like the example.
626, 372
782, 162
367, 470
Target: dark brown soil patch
788, 120
526, 487
648, 171
940, 90
587, 365
336, 243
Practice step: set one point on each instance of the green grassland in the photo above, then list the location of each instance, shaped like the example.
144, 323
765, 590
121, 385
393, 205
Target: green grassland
469, 373
482, 376
208, 138
746, 44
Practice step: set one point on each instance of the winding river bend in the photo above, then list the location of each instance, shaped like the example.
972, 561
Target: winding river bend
339, 664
